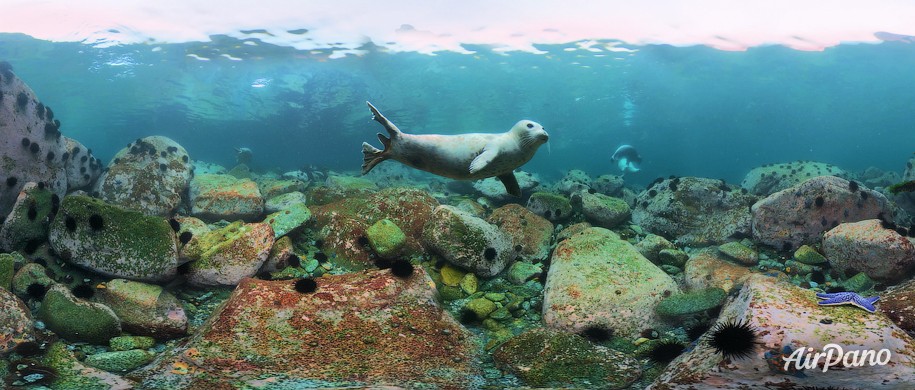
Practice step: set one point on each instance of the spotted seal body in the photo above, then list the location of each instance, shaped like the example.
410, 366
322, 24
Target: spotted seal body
469, 156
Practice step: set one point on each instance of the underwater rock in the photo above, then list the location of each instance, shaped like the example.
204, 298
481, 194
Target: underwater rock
284, 201
784, 315
575, 180
73, 374
873, 177
337, 188
706, 269
544, 358
77, 319
113, 241
207, 168
652, 245
572, 230
362, 329
119, 361
739, 253
282, 251
144, 309
386, 238
468, 241
33, 150
28, 221
285, 221
603, 210
896, 303
520, 272
215, 197
16, 325
241, 171
906, 200
553, 207
225, 256
271, 187
694, 211
8, 265
126, 343
801, 214
530, 233
31, 275
611, 185
866, 246
597, 279
691, 302
771, 178
493, 188
343, 223
807, 255
150, 175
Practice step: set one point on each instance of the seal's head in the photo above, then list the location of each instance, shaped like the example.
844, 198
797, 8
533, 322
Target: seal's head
530, 134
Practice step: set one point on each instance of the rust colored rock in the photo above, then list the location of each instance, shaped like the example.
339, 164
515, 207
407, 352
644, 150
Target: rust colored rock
866, 246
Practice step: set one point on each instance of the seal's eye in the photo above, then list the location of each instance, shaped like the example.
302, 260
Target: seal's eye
530, 125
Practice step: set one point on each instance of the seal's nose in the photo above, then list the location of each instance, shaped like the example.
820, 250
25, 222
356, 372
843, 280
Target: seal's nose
545, 137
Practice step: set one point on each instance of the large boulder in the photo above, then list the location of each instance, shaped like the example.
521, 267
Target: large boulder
144, 309
344, 223
866, 246
694, 211
554, 208
15, 322
362, 329
27, 224
76, 319
707, 268
548, 358
896, 303
225, 256
113, 241
784, 315
801, 214
598, 280
575, 180
216, 196
771, 178
529, 232
493, 188
150, 175
604, 211
468, 241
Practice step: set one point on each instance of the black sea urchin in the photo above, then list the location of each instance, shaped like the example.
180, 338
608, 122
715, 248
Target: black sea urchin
733, 339
666, 351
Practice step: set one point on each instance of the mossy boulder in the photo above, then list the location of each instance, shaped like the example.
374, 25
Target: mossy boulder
866, 246
284, 201
652, 245
15, 322
740, 253
74, 375
285, 221
225, 256
150, 175
144, 309
29, 274
529, 232
708, 268
598, 279
215, 197
126, 343
385, 238
480, 307
337, 188
807, 255
77, 319
7, 270
113, 241
282, 251
360, 329
520, 272
272, 188
547, 358
674, 257
691, 302
551, 206
468, 241
28, 221
119, 361
603, 210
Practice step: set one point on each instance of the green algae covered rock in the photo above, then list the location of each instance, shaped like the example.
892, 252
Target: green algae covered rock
271, 188
520, 272
547, 358
119, 361
652, 245
225, 256
386, 238
76, 319
604, 211
481, 307
126, 343
529, 232
144, 309
28, 221
7, 270
284, 201
284, 221
550, 206
739, 253
468, 241
807, 255
691, 302
113, 241
74, 375
215, 197
30, 273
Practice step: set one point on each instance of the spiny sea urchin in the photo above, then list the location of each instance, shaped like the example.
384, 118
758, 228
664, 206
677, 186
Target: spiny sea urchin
734, 339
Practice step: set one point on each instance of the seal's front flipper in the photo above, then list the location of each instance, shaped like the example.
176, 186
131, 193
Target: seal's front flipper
511, 184
483, 159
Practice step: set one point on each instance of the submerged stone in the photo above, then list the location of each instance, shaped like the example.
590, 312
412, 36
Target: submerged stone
226, 256
77, 319
386, 238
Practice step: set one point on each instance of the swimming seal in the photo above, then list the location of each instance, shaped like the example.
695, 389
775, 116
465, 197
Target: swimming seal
469, 156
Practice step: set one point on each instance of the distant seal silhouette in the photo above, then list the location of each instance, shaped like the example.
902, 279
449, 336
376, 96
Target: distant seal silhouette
627, 159
469, 156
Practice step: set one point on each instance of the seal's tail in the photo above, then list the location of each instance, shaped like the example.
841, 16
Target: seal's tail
371, 155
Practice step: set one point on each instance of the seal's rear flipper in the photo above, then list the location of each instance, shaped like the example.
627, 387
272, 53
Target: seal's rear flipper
376, 115
371, 155
511, 184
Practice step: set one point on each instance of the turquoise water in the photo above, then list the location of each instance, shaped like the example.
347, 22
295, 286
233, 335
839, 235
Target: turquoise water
690, 111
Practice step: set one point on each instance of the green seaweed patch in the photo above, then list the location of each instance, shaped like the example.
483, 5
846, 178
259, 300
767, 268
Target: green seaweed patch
691, 302
906, 186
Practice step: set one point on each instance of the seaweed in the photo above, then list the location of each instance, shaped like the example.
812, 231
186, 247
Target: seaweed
906, 186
